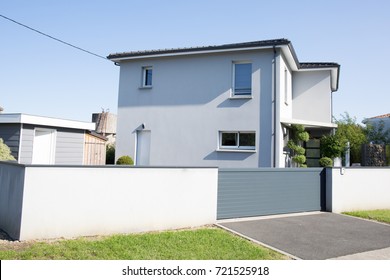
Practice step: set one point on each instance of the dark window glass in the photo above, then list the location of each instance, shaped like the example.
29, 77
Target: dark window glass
229, 139
247, 139
243, 79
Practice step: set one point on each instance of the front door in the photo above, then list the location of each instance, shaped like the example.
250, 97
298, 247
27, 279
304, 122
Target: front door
143, 147
44, 146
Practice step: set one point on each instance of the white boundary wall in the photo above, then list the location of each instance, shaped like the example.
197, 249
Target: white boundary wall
350, 189
84, 201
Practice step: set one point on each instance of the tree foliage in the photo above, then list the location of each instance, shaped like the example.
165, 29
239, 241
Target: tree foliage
5, 152
110, 154
331, 146
376, 132
349, 130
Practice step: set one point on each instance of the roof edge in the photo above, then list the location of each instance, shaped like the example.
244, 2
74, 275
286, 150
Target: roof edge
245, 45
45, 121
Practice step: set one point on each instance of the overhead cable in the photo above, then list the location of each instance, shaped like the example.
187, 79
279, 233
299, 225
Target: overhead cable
51, 37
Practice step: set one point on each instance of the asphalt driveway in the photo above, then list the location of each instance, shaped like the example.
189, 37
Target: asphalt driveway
317, 236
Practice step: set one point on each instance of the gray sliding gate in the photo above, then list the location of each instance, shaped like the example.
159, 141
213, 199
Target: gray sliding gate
266, 191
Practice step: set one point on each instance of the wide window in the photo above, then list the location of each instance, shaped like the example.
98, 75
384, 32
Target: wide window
238, 140
242, 78
147, 76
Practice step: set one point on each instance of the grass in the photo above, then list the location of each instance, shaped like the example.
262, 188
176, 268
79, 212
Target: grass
199, 244
380, 215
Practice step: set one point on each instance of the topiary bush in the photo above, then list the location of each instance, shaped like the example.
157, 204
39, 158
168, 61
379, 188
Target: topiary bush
299, 135
125, 160
326, 162
5, 152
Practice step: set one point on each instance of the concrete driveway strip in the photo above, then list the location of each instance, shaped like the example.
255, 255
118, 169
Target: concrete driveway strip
316, 236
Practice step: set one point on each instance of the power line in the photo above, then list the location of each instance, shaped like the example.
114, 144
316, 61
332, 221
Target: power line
51, 37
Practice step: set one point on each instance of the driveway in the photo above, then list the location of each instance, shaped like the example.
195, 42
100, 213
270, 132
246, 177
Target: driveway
317, 235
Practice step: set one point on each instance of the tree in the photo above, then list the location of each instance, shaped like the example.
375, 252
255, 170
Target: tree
110, 154
349, 130
5, 152
376, 132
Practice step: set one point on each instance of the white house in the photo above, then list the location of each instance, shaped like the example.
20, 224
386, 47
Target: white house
227, 105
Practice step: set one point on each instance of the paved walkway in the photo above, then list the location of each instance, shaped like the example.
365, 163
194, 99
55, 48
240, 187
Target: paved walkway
317, 236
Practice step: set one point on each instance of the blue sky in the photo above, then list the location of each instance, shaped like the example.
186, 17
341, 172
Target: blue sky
43, 77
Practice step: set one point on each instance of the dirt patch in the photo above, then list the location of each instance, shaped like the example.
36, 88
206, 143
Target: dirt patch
7, 243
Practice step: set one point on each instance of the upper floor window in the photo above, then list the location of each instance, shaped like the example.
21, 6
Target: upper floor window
242, 78
147, 75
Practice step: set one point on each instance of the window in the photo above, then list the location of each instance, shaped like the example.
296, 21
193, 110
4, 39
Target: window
237, 140
242, 78
147, 75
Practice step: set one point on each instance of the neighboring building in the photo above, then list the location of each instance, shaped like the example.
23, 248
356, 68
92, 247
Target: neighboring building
43, 140
227, 106
378, 120
105, 125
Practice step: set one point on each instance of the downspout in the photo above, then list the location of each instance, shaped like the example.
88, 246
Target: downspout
331, 112
274, 115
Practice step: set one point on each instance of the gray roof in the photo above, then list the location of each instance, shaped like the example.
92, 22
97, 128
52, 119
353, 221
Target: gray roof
264, 43
309, 65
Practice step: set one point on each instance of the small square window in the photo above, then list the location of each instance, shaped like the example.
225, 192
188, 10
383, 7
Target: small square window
229, 139
247, 139
147, 76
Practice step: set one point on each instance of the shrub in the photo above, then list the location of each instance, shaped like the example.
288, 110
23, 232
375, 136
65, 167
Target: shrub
300, 159
331, 146
125, 160
5, 152
326, 162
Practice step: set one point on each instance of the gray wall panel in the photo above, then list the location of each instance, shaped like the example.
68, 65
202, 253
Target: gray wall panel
254, 192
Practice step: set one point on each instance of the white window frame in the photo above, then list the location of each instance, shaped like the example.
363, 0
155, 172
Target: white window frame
233, 91
145, 69
237, 147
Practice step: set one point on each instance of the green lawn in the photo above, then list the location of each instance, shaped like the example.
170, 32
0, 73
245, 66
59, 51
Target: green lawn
380, 215
200, 244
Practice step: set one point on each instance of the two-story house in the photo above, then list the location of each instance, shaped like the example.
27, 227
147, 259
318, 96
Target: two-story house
227, 105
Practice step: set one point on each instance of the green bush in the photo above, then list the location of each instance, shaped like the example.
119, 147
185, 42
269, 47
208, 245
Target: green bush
331, 146
326, 162
125, 160
300, 159
5, 152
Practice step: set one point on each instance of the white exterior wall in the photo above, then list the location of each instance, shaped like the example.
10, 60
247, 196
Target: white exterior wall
312, 96
190, 103
284, 103
351, 189
76, 201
